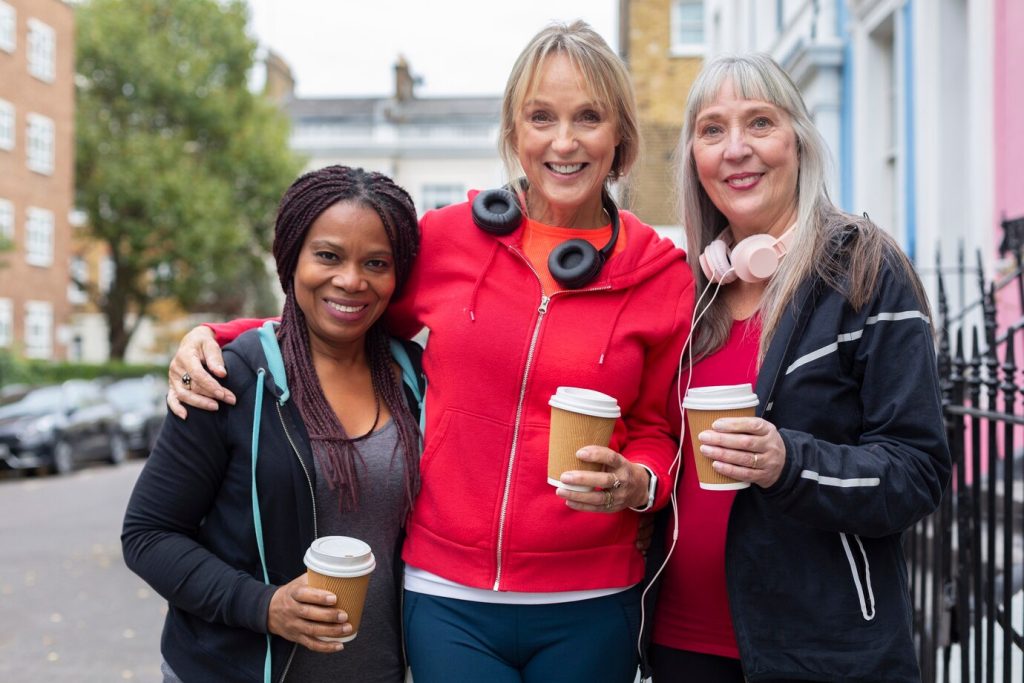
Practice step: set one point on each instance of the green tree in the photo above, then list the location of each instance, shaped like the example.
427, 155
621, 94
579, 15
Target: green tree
179, 166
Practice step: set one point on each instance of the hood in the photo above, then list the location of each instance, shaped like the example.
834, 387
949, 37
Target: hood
249, 348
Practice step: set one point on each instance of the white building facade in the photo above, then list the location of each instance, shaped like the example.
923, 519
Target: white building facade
436, 148
902, 92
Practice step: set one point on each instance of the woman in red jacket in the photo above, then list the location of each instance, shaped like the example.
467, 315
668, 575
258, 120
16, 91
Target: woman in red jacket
506, 578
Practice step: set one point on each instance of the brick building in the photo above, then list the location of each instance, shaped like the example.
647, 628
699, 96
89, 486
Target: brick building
662, 41
37, 102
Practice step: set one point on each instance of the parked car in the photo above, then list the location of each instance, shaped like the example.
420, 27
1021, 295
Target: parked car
55, 427
142, 405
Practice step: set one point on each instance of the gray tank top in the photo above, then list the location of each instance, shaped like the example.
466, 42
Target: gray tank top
374, 655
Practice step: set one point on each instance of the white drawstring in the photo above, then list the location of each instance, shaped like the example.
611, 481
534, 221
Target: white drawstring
856, 576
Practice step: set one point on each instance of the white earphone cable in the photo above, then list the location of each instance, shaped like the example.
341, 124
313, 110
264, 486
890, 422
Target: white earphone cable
676, 465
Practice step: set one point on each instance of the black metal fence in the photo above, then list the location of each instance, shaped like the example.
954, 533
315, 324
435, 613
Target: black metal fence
966, 560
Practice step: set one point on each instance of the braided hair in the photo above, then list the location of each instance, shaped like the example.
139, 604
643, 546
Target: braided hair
307, 198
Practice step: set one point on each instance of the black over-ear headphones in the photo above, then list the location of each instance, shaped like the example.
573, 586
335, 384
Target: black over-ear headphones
573, 263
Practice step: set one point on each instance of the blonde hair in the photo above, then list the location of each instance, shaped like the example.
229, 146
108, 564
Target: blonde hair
824, 233
603, 73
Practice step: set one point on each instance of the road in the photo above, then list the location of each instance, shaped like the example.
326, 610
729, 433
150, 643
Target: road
69, 608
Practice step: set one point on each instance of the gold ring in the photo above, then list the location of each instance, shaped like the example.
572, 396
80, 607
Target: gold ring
608, 500
754, 466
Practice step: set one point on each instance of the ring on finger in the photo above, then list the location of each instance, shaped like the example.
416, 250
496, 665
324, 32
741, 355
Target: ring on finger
617, 484
754, 466
608, 500
186, 380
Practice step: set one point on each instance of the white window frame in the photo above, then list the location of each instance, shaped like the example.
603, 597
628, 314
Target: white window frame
8, 125
680, 48
6, 220
39, 140
106, 275
78, 279
8, 27
6, 323
42, 50
39, 229
38, 329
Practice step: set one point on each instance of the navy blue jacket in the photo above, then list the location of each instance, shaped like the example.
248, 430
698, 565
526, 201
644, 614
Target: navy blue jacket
189, 531
815, 566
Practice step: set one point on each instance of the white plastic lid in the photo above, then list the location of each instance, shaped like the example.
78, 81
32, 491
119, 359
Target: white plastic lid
339, 556
725, 397
585, 401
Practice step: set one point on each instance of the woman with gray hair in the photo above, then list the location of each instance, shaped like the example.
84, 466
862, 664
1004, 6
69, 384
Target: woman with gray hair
799, 576
512, 575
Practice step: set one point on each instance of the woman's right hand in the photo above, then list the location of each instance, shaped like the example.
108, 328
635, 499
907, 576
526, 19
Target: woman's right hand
197, 351
301, 613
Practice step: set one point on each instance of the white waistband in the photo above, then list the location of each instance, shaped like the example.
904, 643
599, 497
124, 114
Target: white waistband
421, 581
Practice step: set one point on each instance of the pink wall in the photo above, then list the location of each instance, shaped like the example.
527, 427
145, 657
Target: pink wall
1009, 108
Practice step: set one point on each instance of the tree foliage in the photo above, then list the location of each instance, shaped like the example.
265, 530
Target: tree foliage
179, 166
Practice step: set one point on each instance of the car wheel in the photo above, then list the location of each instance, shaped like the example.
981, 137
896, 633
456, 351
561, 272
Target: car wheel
63, 458
118, 449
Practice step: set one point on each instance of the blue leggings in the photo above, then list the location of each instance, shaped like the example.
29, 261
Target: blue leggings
586, 640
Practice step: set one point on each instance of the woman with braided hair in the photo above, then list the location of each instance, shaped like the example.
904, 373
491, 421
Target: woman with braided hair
228, 502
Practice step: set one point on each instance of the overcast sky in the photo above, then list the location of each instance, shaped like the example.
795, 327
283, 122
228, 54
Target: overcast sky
458, 47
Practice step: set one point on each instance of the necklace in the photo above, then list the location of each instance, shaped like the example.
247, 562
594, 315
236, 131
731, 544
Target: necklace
373, 427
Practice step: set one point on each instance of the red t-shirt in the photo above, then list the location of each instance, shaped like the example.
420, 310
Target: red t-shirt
693, 606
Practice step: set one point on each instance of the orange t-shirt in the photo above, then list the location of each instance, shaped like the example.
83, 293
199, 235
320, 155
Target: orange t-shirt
539, 240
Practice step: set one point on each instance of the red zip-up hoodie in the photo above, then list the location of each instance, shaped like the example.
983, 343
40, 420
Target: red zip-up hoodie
498, 348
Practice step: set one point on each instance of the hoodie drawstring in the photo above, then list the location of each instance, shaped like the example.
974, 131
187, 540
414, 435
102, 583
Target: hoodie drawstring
257, 520
864, 608
480, 279
615, 322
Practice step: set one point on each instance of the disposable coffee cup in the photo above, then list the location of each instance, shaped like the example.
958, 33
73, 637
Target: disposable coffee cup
579, 417
342, 565
703, 406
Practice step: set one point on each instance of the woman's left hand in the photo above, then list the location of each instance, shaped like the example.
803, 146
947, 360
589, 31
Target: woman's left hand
623, 484
746, 449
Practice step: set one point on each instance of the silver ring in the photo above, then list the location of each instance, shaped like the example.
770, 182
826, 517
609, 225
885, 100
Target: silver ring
617, 484
186, 380
754, 466
608, 500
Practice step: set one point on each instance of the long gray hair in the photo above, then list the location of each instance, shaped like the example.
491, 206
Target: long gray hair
821, 227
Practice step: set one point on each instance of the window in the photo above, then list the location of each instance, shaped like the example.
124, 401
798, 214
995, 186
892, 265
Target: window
6, 323
42, 51
6, 221
6, 125
38, 329
436, 196
687, 26
79, 278
106, 278
39, 237
8, 27
40, 144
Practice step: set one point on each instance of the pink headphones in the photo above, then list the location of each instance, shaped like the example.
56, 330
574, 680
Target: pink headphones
754, 259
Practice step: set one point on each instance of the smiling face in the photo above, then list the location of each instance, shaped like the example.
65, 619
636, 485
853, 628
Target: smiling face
746, 156
344, 277
565, 142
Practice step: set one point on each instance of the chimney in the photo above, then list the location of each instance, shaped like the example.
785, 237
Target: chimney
280, 83
404, 81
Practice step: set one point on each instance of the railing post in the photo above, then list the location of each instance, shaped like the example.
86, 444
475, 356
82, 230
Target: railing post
974, 391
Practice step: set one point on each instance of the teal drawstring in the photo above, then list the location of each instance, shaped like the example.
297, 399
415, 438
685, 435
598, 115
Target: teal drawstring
257, 520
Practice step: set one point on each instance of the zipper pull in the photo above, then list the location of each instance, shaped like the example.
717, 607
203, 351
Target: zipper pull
544, 301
